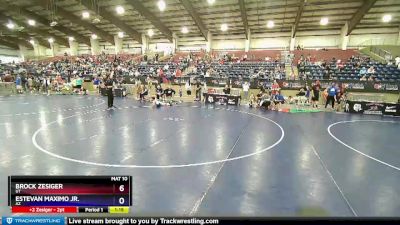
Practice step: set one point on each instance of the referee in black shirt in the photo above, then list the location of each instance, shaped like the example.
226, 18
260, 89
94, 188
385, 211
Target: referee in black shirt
110, 94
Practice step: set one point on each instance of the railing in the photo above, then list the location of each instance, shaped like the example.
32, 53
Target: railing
375, 41
381, 53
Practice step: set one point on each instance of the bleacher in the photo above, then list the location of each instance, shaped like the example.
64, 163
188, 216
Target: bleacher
324, 55
383, 72
239, 70
145, 68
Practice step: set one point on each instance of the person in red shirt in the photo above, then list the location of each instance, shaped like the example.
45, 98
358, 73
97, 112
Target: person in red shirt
178, 73
275, 88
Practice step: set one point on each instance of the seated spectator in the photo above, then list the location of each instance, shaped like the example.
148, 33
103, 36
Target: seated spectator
301, 96
363, 78
397, 60
169, 92
279, 98
301, 92
159, 92
371, 78
371, 70
265, 100
363, 71
291, 100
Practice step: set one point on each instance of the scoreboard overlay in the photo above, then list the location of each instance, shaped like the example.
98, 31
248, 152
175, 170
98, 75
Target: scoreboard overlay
69, 194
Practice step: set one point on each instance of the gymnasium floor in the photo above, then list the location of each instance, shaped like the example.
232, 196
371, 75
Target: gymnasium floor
192, 159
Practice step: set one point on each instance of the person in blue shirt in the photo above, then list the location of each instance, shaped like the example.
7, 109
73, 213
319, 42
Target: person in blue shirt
363, 71
18, 82
332, 92
278, 100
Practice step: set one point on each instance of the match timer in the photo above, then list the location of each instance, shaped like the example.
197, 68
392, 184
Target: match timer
66, 194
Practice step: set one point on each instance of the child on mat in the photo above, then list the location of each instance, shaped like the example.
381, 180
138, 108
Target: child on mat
252, 100
180, 92
157, 103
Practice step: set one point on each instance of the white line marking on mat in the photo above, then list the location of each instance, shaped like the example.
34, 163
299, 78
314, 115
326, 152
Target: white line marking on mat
359, 152
40, 148
213, 179
334, 181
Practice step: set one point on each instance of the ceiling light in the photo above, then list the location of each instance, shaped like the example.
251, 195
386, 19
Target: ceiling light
270, 24
224, 27
51, 40
32, 41
121, 34
85, 14
324, 21
94, 36
71, 38
10, 25
185, 30
210, 2
120, 10
161, 5
150, 32
32, 22
387, 18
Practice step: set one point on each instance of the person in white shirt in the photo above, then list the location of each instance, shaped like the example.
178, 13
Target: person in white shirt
246, 87
137, 73
166, 67
371, 70
188, 88
397, 60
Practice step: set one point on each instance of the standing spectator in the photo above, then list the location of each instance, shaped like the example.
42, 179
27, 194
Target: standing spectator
30, 84
198, 91
188, 88
315, 89
24, 83
332, 92
139, 91
18, 84
227, 90
275, 88
110, 94
246, 87
144, 92
308, 93
96, 82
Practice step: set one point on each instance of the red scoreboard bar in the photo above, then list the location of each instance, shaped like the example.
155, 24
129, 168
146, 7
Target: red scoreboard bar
68, 194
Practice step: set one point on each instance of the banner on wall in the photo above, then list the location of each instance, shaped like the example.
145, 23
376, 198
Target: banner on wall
256, 83
372, 108
221, 99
